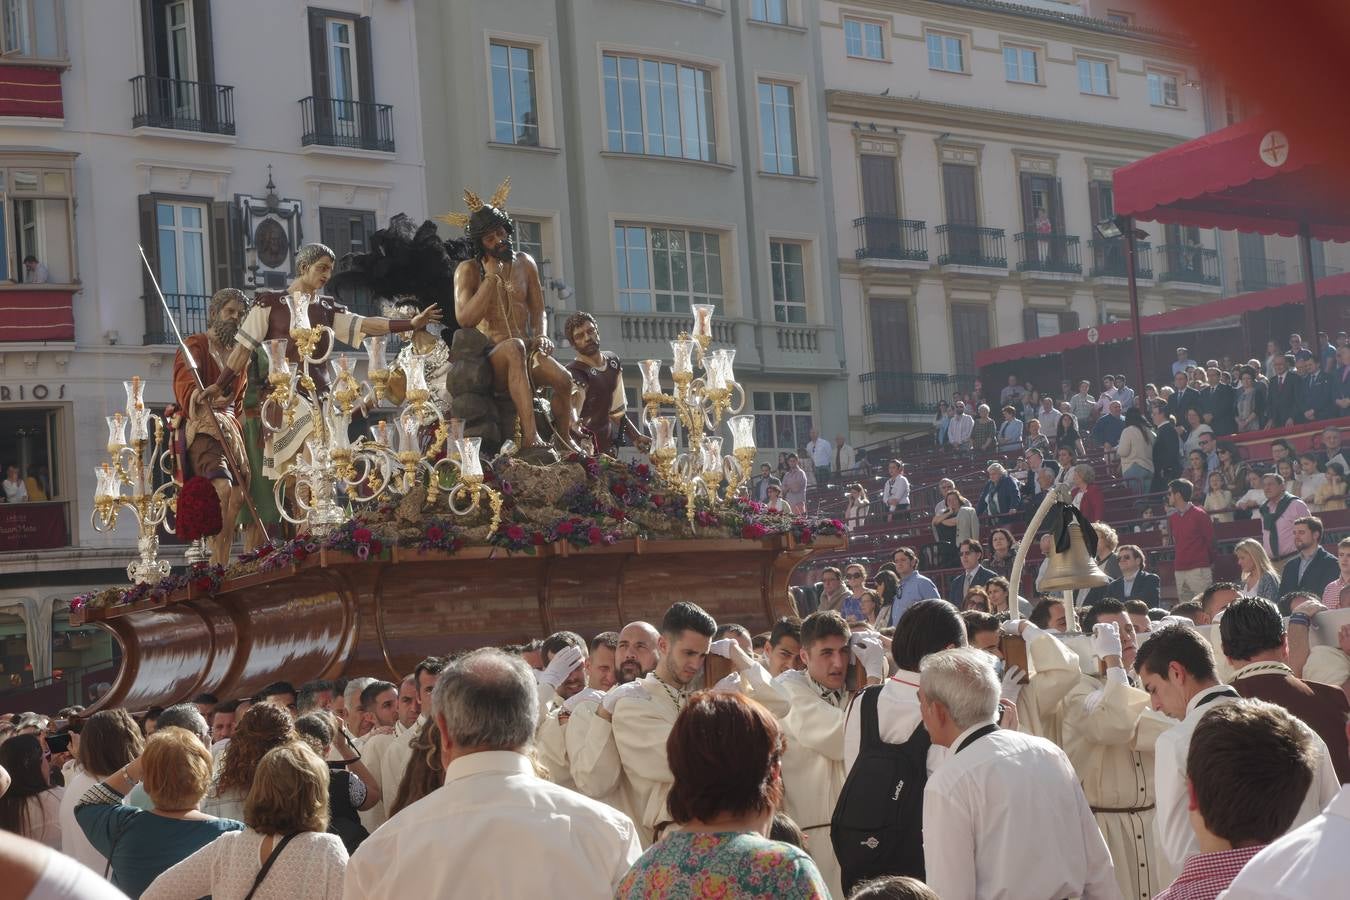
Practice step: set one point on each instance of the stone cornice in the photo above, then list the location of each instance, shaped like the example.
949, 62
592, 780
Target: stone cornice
1046, 23
964, 119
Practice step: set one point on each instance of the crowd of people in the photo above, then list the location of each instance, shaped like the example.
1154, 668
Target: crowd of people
886, 743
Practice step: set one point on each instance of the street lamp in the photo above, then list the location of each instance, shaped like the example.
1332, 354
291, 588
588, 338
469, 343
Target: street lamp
1110, 229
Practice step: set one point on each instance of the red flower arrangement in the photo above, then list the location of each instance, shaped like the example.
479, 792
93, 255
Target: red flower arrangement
198, 510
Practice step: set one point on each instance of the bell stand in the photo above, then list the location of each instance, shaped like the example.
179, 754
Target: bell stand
1073, 635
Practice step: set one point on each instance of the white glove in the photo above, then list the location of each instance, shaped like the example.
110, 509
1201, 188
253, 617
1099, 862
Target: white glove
1012, 683
869, 651
1013, 627
563, 663
1173, 620
585, 695
722, 648
728, 684
1106, 640
633, 690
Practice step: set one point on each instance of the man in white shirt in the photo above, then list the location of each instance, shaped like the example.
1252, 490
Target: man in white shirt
1183, 362
1107, 395
813, 764
494, 828
842, 457
895, 492
997, 788
388, 763
1048, 415
958, 431
1310, 861
822, 456
1176, 665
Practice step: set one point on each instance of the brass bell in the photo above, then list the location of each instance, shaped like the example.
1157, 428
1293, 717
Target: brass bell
1073, 569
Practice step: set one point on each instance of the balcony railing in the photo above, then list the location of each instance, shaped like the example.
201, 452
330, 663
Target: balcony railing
1322, 270
1257, 273
971, 245
1108, 258
182, 105
347, 123
189, 311
798, 340
1190, 265
1049, 253
661, 328
886, 237
909, 393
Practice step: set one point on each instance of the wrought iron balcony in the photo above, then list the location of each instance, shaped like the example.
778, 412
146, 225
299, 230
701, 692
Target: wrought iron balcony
189, 311
352, 124
1108, 258
971, 245
909, 393
160, 102
1049, 252
1189, 265
886, 237
1256, 273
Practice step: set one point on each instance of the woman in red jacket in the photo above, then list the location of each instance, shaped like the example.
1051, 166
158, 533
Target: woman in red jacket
1086, 495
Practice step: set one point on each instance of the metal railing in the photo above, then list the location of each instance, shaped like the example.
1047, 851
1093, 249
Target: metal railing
1257, 274
189, 311
886, 237
971, 245
908, 393
353, 124
1190, 265
1322, 270
1048, 253
160, 102
1108, 258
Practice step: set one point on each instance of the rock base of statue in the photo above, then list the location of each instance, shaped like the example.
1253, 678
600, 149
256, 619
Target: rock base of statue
487, 412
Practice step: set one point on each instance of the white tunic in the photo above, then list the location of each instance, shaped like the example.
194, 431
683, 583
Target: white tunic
1005, 819
1054, 672
550, 744
593, 758
1310, 861
1176, 838
813, 766
496, 830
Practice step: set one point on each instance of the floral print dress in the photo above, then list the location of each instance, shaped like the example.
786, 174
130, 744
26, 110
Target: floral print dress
725, 866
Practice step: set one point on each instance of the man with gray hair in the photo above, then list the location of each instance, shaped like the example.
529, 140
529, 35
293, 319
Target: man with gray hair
494, 828
997, 787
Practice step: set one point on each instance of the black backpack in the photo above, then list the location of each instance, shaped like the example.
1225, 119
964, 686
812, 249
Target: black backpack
877, 827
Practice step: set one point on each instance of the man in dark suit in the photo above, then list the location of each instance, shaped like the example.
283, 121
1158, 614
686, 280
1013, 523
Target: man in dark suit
1000, 498
1318, 402
1184, 398
1284, 394
1166, 449
1314, 568
1134, 583
973, 573
1254, 640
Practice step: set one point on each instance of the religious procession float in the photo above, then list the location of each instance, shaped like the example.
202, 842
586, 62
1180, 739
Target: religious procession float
460, 489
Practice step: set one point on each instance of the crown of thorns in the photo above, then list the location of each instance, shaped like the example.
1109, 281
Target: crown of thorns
474, 203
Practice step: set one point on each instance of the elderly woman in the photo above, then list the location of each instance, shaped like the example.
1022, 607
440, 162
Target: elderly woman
140, 844
1035, 440
859, 507
956, 521
1086, 495
725, 753
287, 817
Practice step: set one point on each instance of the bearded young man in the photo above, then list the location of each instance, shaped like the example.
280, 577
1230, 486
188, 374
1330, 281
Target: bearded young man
604, 409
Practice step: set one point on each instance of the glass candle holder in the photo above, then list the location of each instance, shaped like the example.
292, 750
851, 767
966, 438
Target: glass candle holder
375, 353
409, 433
714, 371
470, 467
662, 430
703, 316
278, 366
651, 376
415, 370
456, 434
117, 432
343, 367
135, 389
742, 430
140, 425
727, 360
298, 306
338, 423
682, 362
382, 433
108, 486
711, 455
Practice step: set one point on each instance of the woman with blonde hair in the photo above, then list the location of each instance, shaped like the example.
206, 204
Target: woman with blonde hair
425, 772
1257, 578
1331, 495
285, 853
140, 844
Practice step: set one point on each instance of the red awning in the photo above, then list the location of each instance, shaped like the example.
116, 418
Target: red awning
1247, 177
1176, 320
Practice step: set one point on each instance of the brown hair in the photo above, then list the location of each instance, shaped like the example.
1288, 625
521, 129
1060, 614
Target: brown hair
260, 729
176, 768
979, 594
424, 772
724, 751
1261, 749
289, 792
109, 739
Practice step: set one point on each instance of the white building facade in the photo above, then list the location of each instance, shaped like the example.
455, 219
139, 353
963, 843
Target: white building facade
218, 135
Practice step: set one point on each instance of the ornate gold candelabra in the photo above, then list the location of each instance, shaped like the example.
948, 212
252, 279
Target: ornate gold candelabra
700, 404
133, 462
470, 486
